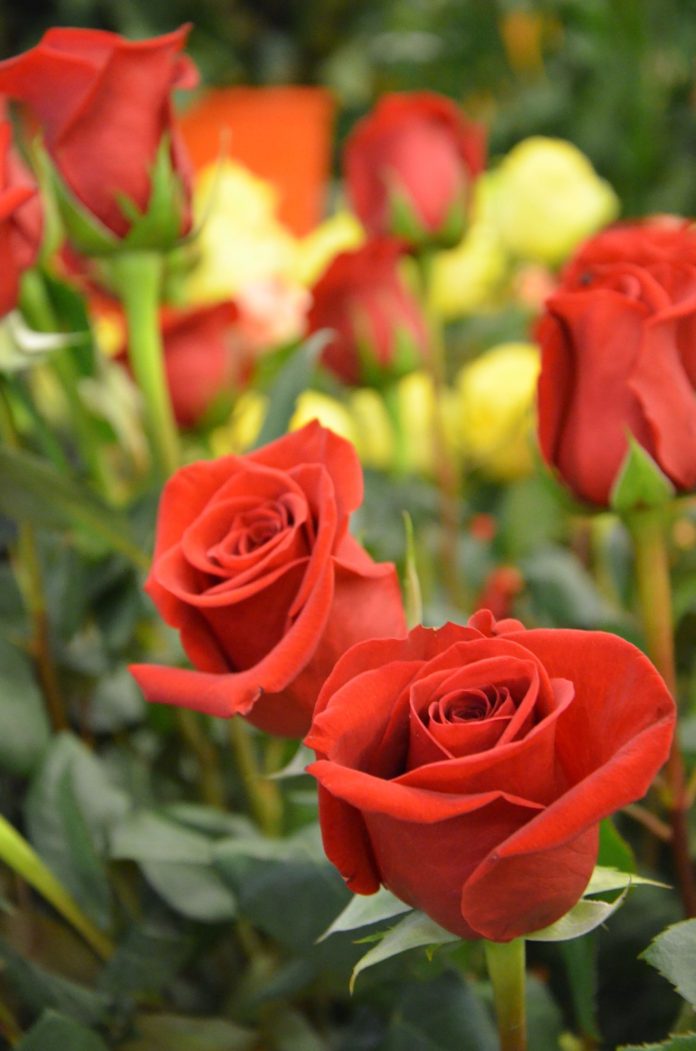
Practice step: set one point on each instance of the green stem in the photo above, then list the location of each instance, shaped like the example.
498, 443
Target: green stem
648, 530
137, 278
211, 786
264, 797
445, 466
9, 1026
507, 973
30, 579
390, 397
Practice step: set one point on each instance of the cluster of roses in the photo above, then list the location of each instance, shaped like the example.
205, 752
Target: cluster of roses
486, 752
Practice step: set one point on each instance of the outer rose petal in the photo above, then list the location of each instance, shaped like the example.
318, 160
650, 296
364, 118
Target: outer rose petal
585, 419
489, 864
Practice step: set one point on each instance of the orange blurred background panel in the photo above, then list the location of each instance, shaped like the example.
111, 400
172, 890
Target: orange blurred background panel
282, 134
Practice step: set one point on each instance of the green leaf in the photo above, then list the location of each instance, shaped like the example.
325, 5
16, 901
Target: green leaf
582, 918
193, 890
32, 491
60, 1033
41, 990
414, 931
439, 1015
148, 957
366, 909
176, 1033
673, 953
24, 727
16, 853
580, 958
287, 888
293, 378
687, 1042
604, 879
146, 835
178, 863
640, 482
297, 766
614, 851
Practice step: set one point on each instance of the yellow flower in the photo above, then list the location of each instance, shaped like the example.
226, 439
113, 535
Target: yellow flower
241, 240
243, 427
312, 405
466, 278
548, 198
496, 395
340, 233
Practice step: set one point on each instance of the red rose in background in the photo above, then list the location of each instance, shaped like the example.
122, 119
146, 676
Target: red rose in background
467, 768
256, 568
379, 329
618, 343
410, 166
103, 104
200, 357
21, 221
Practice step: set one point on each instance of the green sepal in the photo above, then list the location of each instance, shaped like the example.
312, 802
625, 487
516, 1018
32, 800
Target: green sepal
640, 482
157, 229
404, 222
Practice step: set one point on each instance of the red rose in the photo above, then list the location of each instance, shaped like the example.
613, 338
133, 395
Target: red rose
618, 345
379, 332
467, 768
200, 358
255, 566
20, 221
103, 104
410, 166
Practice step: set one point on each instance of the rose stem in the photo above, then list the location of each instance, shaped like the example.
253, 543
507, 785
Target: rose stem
390, 397
137, 280
445, 467
30, 580
9, 1026
648, 530
262, 795
506, 967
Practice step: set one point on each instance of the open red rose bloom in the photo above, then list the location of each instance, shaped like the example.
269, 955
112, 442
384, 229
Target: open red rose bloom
255, 566
467, 768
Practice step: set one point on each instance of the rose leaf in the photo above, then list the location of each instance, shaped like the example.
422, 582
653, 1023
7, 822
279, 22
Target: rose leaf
673, 953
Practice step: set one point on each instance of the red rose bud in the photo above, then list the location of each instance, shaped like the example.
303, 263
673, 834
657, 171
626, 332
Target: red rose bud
255, 567
104, 107
379, 332
21, 221
200, 358
410, 166
618, 370
467, 768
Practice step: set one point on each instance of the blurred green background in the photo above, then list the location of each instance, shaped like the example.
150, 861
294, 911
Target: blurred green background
616, 77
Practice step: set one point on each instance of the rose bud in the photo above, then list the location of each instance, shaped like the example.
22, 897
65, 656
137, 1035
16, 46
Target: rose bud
255, 567
104, 107
619, 359
379, 332
467, 768
21, 221
410, 166
199, 357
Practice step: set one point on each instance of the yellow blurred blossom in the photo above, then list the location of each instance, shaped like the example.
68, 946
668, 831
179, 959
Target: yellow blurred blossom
467, 277
496, 395
414, 402
339, 233
312, 405
548, 198
241, 240
243, 427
